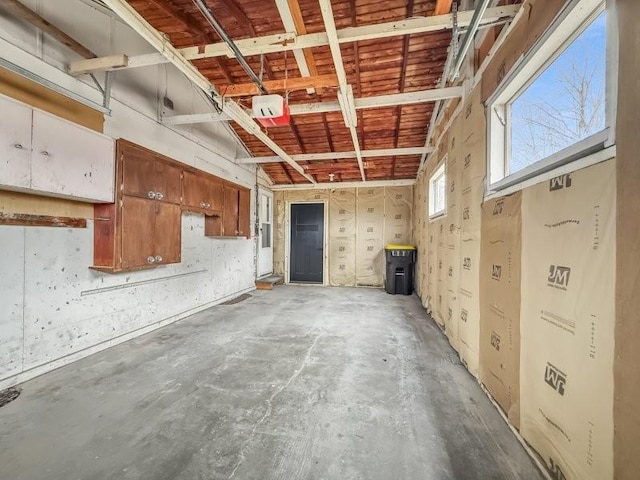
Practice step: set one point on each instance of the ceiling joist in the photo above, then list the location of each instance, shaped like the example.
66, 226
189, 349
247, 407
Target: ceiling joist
290, 41
381, 101
345, 93
308, 157
300, 83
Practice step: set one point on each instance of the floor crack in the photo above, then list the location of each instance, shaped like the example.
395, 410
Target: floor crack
267, 412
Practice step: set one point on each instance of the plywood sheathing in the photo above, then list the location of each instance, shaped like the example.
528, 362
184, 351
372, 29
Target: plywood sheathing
374, 67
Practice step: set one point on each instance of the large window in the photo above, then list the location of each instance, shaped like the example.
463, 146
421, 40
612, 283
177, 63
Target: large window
552, 108
437, 192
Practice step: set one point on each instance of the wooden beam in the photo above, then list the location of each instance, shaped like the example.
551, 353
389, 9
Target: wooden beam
289, 41
18, 10
380, 101
300, 83
292, 20
443, 7
101, 64
308, 157
27, 220
403, 77
330, 185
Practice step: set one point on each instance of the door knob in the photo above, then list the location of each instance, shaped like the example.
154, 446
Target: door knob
158, 258
151, 195
159, 196
151, 259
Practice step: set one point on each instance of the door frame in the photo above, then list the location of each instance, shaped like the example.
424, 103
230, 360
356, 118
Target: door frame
269, 193
287, 242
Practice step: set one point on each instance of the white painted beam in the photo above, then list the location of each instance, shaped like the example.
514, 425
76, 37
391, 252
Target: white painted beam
291, 41
345, 93
308, 157
333, 185
324, 107
132, 18
101, 64
195, 118
290, 26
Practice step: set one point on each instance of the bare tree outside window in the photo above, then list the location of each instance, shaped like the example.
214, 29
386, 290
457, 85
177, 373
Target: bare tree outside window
563, 105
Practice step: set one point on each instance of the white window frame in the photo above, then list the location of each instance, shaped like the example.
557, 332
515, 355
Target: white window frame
441, 170
572, 20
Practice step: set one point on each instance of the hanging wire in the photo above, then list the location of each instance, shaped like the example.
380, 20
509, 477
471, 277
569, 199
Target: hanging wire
286, 77
261, 65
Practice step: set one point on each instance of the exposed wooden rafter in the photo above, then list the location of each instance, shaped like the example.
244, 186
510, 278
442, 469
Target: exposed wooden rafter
290, 41
292, 20
309, 157
300, 83
345, 93
403, 78
443, 7
409, 98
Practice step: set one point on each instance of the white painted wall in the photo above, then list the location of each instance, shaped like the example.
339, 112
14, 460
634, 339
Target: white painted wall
53, 308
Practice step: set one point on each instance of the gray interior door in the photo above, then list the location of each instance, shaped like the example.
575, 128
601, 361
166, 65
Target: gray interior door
307, 242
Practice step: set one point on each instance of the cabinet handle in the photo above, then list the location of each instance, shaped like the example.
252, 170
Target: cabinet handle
151, 194
159, 196
45, 153
18, 146
151, 259
203, 205
208, 205
158, 258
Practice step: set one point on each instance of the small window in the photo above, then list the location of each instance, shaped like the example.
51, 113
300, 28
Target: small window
552, 108
437, 192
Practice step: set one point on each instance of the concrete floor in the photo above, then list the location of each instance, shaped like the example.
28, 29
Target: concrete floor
294, 383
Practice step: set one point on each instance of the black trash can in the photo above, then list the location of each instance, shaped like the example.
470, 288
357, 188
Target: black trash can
399, 272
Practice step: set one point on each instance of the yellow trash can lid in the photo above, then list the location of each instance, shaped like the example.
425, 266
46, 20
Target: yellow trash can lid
393, 246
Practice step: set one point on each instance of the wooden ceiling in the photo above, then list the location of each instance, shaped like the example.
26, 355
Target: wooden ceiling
373, 67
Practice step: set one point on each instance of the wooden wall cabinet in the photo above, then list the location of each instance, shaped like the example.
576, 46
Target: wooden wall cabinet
202, 193
235, 220
142, 229
44, 154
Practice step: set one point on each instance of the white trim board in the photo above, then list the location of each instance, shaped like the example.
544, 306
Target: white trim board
334, 185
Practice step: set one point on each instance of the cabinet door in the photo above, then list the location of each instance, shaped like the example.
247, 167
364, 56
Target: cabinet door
244, 207
215, 194
193, 190
145, 175
167, 233
71, 161
230, 212
15, 144
137, 227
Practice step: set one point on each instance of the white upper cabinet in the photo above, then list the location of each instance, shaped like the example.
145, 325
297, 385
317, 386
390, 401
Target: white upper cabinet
44, 154
15, 144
